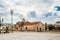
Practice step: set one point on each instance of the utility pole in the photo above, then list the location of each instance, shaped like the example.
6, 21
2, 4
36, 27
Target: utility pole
12, 21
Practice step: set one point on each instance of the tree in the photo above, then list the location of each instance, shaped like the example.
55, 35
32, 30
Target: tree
46, 26
50, 26
7, 28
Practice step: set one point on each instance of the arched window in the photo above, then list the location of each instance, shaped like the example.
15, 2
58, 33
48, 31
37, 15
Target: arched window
26, 28
37, 28
40, 29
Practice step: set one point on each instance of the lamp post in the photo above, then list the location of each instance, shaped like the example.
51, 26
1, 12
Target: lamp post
12, 21
0, 24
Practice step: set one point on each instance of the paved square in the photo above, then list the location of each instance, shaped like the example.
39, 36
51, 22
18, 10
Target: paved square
30, 36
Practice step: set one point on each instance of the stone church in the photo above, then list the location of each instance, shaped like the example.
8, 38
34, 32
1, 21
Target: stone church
29, 26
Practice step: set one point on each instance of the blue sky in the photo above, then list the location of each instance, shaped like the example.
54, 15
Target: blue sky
32, 10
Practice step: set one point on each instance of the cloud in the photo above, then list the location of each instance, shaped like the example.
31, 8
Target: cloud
32, 14
33, 10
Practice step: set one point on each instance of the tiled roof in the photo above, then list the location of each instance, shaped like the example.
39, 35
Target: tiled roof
31, 23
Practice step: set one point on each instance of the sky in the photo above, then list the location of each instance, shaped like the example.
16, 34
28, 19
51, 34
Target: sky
46, 11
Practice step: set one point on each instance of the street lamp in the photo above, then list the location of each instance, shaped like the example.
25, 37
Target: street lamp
0, 24
12, 21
